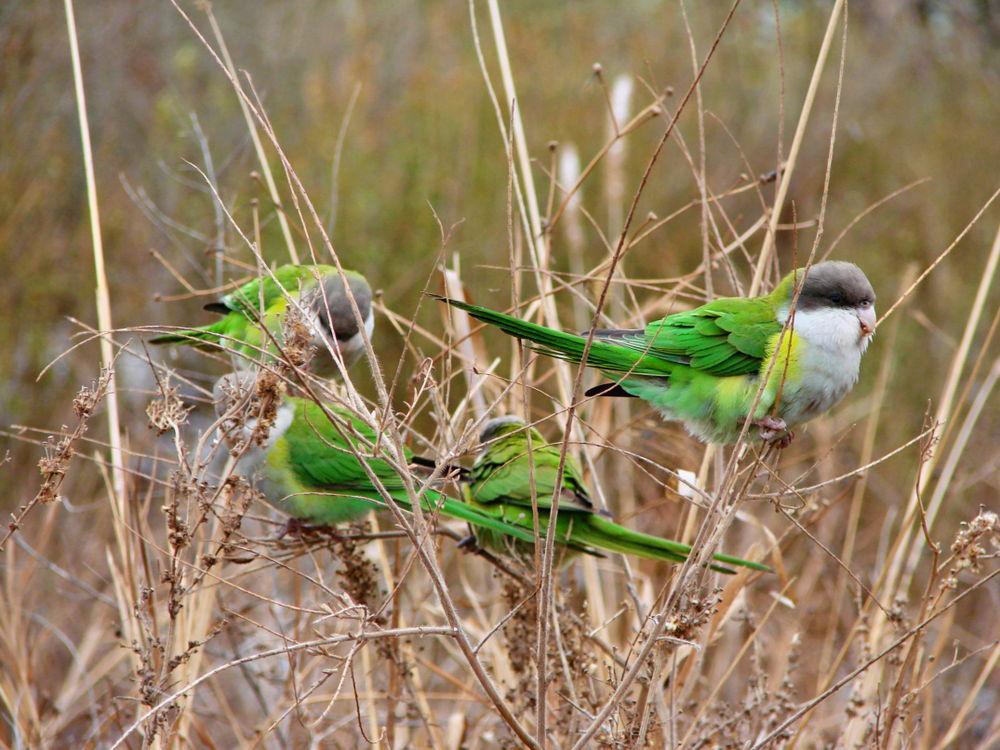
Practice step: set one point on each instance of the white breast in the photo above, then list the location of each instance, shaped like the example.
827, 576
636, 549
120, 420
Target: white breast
351, 348
355, 345
829, 362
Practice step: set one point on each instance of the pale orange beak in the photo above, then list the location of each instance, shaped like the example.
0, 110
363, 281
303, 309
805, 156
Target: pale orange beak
866, 319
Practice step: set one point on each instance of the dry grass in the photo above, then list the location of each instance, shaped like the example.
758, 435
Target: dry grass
151, 602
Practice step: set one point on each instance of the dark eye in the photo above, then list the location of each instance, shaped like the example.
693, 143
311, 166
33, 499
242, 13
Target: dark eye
865, 303
838, 300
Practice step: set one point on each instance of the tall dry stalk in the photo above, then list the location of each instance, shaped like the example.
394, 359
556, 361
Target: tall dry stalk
788, 168
102, 292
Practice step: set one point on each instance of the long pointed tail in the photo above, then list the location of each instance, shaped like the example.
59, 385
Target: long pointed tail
603, 355
433, 501
608, 535
202, 338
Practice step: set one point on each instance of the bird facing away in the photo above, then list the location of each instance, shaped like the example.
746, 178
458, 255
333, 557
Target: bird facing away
312, 467
704, 367
516, 464
262, 303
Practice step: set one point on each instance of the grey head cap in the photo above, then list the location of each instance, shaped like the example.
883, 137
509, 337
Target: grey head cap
836, 283
333, 306
492, 428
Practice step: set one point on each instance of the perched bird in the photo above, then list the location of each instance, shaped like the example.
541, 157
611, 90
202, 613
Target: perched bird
509, 471
704, 367
262, 303
312, 467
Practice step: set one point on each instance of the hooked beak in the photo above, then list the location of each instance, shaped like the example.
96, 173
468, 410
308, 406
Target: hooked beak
866, 319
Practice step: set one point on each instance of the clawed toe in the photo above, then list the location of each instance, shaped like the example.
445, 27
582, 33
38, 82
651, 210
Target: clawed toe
297, 528
292, 527
774, 424
774, 431
784, 440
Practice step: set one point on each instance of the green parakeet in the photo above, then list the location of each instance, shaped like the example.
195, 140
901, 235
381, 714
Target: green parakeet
500, 485
703, 367
309, 467
264, 301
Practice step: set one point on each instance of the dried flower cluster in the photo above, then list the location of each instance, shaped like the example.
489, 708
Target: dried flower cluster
357, 573
168, 412
976, 540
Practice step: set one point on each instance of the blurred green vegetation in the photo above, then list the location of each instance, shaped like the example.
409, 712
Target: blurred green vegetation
919, 100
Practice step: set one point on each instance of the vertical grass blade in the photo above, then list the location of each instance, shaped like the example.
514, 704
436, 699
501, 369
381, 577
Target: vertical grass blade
102, 292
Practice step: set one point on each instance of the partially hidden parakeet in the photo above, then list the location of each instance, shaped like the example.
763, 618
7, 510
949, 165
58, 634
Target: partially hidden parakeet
703, 367
264, 302
310, 466
509, 471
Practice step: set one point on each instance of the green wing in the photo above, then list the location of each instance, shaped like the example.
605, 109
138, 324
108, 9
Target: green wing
506, 472
247, 299
321, 459
320, 452
724, 337
500, 484
242, 310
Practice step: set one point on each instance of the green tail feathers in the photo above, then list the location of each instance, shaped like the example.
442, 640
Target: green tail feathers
206, 337
603, 355
610, 536
434, 502
462, 512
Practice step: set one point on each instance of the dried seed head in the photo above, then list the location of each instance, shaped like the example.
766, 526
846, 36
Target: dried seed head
88, 398
297, 346
248, 407
167, 411
270, 390
53, 466
971, 543
357, 573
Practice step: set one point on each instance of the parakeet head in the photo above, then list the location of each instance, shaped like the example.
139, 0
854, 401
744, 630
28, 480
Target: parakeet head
333, 306
498, 427
834, 287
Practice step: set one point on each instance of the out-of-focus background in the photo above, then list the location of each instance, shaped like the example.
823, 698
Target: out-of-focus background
919, 101
382, 109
